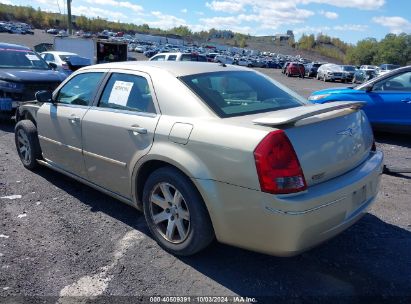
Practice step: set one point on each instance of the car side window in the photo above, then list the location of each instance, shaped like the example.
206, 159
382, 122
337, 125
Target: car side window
172, 58
80, 89
127, 92
397, 83
186, 57
159, 58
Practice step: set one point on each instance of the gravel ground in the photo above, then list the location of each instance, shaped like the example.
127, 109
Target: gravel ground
60, 238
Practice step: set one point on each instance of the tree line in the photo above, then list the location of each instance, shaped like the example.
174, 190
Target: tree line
394, 49
43, 20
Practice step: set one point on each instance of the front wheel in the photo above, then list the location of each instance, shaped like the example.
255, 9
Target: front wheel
27, 143
175, 213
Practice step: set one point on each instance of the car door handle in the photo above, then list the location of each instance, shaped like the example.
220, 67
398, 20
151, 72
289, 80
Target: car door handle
137, 129
407, 100
73, 118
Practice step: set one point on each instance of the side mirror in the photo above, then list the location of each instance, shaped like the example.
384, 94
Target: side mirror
44, 96
52, 65
368, 87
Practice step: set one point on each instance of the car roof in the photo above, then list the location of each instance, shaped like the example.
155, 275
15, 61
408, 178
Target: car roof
13, 46
58, 53
176, 68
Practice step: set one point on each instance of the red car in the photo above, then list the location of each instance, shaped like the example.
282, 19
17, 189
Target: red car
295, 68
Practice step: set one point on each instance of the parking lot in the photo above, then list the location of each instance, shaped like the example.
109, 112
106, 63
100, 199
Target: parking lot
61, 238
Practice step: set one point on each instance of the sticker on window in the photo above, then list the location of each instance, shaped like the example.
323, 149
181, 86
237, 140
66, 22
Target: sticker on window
120, 92
32, 57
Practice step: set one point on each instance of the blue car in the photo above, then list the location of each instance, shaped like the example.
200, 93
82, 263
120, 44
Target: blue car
387, 99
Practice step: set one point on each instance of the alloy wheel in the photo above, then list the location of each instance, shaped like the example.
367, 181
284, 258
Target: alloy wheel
24, 146
169, 213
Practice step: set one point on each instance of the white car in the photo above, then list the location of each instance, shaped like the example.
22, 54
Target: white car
60, 59
244, 62
224, 59
330, 72
179, 56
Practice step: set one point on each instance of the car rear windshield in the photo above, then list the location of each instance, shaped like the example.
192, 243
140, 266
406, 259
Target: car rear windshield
21, 59
236, 93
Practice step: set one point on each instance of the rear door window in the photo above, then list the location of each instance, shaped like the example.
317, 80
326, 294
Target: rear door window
127, 92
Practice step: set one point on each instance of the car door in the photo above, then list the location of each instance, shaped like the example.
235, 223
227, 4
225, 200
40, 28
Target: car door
391, 99
119, 129
59, 123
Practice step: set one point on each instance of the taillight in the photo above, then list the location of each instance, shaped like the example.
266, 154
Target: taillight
278, 168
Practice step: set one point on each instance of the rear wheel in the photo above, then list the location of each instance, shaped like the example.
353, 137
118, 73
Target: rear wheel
27, 143
175, 213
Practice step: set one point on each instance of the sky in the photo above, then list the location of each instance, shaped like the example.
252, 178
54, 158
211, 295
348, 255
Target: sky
349, 20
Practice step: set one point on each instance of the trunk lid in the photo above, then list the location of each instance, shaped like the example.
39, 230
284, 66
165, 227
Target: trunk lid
328, 140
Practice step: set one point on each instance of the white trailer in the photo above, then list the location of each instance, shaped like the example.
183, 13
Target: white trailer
97, 50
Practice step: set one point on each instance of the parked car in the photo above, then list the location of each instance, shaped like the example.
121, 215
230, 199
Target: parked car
211, 56
259, 63
150, 53
230, 146
385, 68
368, 67
22, 74
295, 69
66, 62
244, 61
179, 56
311, 69
361, 76
285, 67
387, 99
52, 31
224, 59
348, 72
330, 72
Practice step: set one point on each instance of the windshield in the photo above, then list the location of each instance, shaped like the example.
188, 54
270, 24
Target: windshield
391, 66
21, 59
235, 93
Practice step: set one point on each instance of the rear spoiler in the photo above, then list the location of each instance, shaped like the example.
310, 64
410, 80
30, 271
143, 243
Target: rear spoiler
291, 116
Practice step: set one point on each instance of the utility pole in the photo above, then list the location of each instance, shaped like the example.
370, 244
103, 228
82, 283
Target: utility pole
69, 17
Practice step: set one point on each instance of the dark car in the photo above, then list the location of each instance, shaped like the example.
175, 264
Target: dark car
22, 74
311, 69
150, 53
361, 76
348, 71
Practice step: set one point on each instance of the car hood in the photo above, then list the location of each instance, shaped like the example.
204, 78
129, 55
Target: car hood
346, 90
22, 75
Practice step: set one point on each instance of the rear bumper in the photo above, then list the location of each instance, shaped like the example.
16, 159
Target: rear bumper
288, 225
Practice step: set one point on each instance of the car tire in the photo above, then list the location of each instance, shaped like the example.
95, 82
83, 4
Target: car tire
188, 219
27, 144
